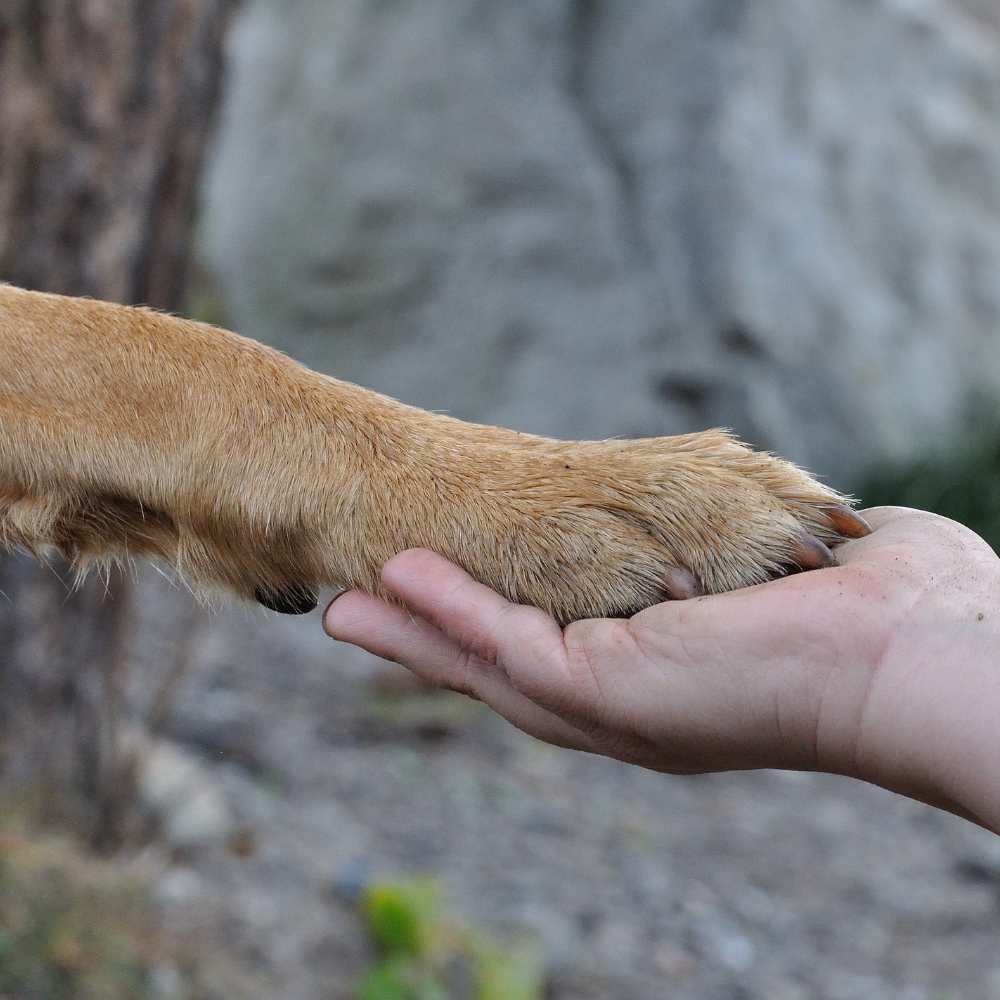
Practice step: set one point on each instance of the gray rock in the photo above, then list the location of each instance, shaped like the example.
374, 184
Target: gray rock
594, 219
181, 793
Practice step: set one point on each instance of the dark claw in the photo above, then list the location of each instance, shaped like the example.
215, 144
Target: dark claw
682, 584
845, 522
810, 553
296, 599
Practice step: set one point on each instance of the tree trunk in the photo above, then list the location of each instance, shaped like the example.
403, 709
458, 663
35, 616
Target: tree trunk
105, 110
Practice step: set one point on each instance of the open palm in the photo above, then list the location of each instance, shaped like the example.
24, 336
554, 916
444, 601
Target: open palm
824, 670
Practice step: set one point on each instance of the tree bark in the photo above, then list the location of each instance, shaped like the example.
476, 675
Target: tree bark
106, 107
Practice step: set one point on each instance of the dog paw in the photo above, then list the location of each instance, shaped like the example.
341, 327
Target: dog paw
599, 529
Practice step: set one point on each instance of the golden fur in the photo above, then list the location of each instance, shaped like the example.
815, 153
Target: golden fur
126, 432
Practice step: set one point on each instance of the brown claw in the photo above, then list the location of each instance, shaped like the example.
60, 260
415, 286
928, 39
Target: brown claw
810, 553
845, 522
682, 584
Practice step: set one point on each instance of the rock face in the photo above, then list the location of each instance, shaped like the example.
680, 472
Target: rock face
590, 219
180, 792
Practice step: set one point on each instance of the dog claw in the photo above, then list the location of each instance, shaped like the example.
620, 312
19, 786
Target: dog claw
292, 600
810, 553
682, 584
845, 522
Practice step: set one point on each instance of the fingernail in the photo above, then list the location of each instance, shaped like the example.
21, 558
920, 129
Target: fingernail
336, 597
326, 614
295, 599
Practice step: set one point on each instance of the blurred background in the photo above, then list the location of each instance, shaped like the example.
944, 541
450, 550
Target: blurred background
573, 217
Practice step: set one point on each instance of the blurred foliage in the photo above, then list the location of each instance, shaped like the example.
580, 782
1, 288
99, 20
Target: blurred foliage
400, 978
961, 482
71, 928
507, 973
405, 918
423, 953
77, 927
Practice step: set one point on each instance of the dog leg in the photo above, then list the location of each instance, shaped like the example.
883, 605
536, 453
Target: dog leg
126, 432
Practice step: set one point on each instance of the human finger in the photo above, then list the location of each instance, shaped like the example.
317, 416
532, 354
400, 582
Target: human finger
524, 641
396, 634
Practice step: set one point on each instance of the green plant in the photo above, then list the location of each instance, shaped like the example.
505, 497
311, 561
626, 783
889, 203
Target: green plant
404, 918
513, 973
422, 952
961, 482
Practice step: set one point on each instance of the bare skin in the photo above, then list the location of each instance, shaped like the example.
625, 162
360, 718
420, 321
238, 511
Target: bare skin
885, 667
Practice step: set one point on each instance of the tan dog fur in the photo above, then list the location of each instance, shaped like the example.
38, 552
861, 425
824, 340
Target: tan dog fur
125, 432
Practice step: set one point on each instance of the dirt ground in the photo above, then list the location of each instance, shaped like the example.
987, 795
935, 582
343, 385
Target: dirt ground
744, 886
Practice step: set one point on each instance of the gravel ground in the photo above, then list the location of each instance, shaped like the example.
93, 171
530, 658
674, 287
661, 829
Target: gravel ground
767, 885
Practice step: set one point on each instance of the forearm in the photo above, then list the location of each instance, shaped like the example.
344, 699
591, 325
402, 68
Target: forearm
941, 684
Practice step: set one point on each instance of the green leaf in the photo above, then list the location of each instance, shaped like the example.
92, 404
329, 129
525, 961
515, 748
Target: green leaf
404, 917
508, 974
400, 978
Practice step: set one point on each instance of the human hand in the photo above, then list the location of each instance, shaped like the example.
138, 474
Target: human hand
880, 667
